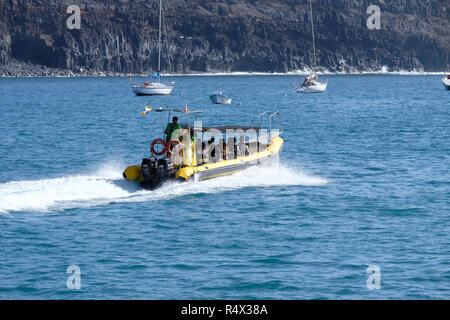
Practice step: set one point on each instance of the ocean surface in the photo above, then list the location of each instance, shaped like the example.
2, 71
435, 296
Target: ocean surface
363, 180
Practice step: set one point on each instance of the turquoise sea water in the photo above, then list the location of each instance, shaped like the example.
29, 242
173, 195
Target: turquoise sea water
363, 180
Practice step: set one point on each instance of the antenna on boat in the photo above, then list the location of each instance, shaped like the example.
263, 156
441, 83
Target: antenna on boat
159, 40
313, 39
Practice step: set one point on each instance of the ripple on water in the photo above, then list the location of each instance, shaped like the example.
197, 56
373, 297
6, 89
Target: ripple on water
362, 180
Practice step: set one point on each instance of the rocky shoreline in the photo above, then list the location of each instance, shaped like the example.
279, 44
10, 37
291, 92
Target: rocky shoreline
224, 36
23, 69
18, 69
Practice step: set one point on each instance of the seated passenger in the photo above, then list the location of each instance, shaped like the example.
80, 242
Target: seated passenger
242, 147
222, 147
205, 156
228, 149
252, 147
230, 152
211, 149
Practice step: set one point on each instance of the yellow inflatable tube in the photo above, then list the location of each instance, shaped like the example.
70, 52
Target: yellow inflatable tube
132, 173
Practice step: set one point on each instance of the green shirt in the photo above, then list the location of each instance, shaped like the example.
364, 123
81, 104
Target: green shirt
170, 129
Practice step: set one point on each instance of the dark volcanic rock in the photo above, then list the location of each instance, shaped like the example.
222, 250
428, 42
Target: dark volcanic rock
225, 35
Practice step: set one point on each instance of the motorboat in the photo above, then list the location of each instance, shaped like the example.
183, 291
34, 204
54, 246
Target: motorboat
446, 81
155, 87
192, 153
311, 83
219, 98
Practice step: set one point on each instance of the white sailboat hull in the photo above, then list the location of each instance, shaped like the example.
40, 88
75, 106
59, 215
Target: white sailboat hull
446, 82
316, 88
152, 89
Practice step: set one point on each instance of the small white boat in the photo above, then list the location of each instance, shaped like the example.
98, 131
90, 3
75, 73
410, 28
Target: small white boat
152, 88
446, 81
219, 98
311, 85
156, 87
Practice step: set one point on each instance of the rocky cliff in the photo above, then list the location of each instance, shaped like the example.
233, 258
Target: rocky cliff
224, 35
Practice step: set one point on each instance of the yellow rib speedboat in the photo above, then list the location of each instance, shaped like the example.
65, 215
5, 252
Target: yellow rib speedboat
192, 152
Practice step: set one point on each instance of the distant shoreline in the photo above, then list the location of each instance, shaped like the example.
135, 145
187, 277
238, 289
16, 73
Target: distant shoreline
230, 74
19, 69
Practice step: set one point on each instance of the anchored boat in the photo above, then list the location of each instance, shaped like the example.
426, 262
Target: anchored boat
201, 153
446, 81
311, 83
219, 98
152, 88
155, 87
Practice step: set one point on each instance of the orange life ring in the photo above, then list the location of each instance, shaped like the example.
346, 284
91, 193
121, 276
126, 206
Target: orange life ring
174, 142
152, 147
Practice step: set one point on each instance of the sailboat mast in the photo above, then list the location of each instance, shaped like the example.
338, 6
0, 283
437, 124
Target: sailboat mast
313, 39
159, 38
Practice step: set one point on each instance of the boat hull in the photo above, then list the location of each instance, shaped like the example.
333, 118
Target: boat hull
232, 169
317, 88
446, 82
220, 99
229, 167
162, 90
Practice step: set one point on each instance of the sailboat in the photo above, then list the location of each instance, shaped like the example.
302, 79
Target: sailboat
311, 83
155, 87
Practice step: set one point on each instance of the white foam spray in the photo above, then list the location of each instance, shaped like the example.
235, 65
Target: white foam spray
106, 185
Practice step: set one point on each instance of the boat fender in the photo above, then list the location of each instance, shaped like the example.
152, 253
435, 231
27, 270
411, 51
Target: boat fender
152, 147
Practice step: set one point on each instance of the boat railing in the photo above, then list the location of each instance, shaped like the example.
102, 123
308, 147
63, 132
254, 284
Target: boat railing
275, 130
259, 117
270, 121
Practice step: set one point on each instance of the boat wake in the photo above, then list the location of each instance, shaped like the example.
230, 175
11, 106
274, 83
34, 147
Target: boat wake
107, 186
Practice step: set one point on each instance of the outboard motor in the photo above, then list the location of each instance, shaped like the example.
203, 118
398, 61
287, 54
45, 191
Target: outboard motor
155, 172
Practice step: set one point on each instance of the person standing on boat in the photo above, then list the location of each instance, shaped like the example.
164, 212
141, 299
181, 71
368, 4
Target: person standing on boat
171, 127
